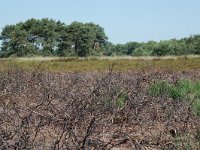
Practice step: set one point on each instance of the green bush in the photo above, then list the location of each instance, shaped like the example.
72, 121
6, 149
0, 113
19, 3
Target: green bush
181, 90
184, 90
141, 52
196, 107
121, 100
159, 88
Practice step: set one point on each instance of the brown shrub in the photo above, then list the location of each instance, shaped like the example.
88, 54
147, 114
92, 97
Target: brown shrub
40, 110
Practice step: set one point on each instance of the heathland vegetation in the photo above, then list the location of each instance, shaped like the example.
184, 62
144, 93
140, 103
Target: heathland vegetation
76, 103
47, 37
101, 64
144, 109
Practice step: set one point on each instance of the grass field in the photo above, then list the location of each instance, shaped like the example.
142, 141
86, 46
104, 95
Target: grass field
55, 64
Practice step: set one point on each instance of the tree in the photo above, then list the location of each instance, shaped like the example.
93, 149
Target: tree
131, 46
48, 37
32, 37
161, 48
15, 42
193, 44
141, 51
43, 34
81, 39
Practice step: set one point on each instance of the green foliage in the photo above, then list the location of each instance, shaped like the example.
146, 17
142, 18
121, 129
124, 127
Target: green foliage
116, 98
193, 44
196, 107
131, 46
184, 46
119, 49
121, 100
184, 90
48, 38
159, 88
83, 39
141, 52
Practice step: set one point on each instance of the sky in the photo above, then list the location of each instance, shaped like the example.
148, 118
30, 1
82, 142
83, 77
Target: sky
122, 20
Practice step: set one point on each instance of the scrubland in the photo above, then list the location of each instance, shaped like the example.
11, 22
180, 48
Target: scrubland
71, 103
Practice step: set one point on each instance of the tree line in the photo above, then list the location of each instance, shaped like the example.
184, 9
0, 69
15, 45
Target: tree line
47, 37
184, 46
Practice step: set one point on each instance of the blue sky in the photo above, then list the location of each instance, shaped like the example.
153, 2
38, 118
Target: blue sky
123, 20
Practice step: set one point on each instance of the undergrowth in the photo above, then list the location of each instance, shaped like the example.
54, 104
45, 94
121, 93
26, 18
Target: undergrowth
183, 90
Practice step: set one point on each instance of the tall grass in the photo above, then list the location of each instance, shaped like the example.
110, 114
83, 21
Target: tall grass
97, 64
183, 90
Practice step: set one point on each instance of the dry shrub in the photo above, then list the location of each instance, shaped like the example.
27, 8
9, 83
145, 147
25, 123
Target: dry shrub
41, 110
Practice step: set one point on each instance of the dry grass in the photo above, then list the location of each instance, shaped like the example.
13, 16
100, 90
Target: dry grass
55, 64
38, 58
